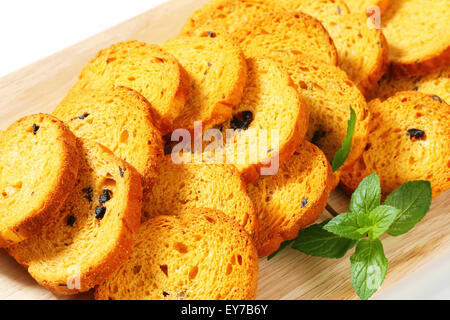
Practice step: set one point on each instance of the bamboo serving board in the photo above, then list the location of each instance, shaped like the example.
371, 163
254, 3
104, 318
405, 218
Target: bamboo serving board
291, 275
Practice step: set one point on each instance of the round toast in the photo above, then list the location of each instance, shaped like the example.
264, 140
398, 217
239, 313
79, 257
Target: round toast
293, 199
418, 35
436, 83
149, 70
181, 187
226, 15
199, 255
282, 31
409, 140
217, 71
329, 94
38, 168
92, 234
269, 123
121, 120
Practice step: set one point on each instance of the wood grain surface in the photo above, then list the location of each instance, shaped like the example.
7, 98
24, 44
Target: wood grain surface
291, 275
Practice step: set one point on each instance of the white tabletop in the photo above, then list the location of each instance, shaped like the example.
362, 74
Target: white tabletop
31, 30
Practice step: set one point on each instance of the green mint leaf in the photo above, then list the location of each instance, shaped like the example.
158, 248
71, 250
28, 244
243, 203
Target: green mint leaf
368, 267
347, 225
381, 218
317, 242
367, 196
282, 246
341, 155
414, 200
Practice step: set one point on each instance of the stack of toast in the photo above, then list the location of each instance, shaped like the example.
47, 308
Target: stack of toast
95, 196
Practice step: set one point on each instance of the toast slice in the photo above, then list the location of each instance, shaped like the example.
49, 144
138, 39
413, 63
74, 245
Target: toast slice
267, 126
199, 255
121, 120
293, 199
329, 94
38, 168
282, 31
436, 83
181, 187
217, 71
418, 37
226, 15
365, 6
409, 140
147, 69
92, 234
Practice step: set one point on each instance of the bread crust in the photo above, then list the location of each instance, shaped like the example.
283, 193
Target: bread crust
66, 144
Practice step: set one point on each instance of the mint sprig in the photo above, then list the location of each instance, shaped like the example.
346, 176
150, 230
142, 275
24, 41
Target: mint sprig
365, 222
342, 154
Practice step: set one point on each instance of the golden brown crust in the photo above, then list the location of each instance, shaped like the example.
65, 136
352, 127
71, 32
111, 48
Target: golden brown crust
45, 255
63, 180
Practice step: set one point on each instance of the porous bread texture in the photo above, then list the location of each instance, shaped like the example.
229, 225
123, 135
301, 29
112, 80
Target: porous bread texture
398, 156
78, 249
329, 94
436, 83
149, 70
282, 31
417, 32
277, 124
293, 199
199, 255
218, 73
120, 119
38, 168
226, 15
362, 50
182, 187
365, 5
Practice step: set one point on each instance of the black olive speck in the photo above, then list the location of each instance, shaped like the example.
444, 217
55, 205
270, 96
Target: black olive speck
211, 34
83, 116
100, 213
35, 128
121, 172
105, 196
416, 133
304, 202
71, 221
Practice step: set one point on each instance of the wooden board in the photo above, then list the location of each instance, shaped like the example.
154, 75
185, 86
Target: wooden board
291, 275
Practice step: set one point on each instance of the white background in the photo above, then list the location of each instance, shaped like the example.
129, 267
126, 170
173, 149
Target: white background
31, 30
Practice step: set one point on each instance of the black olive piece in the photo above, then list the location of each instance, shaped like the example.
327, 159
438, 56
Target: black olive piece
105, 196
83, 116
100, 213
89, 193
416, 133
211, 34
436, 98
304, 202
121, 172
71, 221
35, 128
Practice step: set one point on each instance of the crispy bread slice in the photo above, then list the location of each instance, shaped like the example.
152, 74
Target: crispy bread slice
181, 187
269, 123
38, 168
121, 120
226, 15
436, 83
148, 69
218, 73
93, 233
199, 255
409, 140
329, 94
283, 31
418, 35
292, 199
